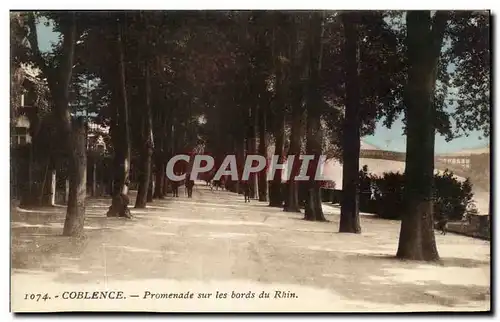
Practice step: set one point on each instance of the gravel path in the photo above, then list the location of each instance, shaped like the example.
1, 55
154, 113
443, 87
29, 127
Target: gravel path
216, 244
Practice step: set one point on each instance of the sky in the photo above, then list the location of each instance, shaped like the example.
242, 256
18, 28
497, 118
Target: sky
394, 140
383, 138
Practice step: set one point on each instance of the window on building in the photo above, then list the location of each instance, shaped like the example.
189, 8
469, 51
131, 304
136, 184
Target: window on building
20, 131
20, 139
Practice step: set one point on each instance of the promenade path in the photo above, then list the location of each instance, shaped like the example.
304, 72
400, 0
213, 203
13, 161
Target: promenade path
215, 242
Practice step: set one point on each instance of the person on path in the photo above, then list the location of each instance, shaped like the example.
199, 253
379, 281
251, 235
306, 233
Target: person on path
442, 224
246, 190
175, 188
189, 187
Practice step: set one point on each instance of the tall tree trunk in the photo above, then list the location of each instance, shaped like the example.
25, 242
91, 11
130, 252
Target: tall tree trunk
151, 187
275, 195
124, 113
66, 190
121, 135
31, 164
253, 149
75, 215
53, 181
94, 177
424, 40
349, 207
144, 180
167, 187
313, 210
43, 197
296, 103
159, 176
74, 140
167, 144
263, 185
116, 133
292, 202
240, 157
58, 81
275, 191
159, 156
251, 146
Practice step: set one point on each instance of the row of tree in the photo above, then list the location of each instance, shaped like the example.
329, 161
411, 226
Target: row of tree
243, 82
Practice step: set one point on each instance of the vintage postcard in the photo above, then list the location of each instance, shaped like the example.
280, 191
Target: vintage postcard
250, 161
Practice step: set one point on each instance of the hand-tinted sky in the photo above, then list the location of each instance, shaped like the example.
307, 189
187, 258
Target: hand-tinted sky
387, 139
394, 140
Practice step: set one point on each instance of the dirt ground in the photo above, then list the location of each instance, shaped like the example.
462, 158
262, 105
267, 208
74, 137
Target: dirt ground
215, 242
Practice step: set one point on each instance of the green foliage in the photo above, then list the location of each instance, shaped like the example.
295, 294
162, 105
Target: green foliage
381, 67
220, 63
389, 195
18, 55
18, 41
452, 198
462, 92
469, 34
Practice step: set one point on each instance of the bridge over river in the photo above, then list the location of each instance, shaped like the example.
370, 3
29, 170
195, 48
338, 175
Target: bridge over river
475, 166
472, 164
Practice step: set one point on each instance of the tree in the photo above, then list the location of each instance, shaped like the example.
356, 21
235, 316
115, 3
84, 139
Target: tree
145, 181
18, 51
263, 108
349, 215
434, 42
120, 129
58, 71
424, 40
102, 56
298, 55
314, 103
364, 70
280, 45
147, 153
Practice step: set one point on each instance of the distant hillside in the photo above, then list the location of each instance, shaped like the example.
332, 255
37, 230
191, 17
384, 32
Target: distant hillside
467, 152
367, 146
